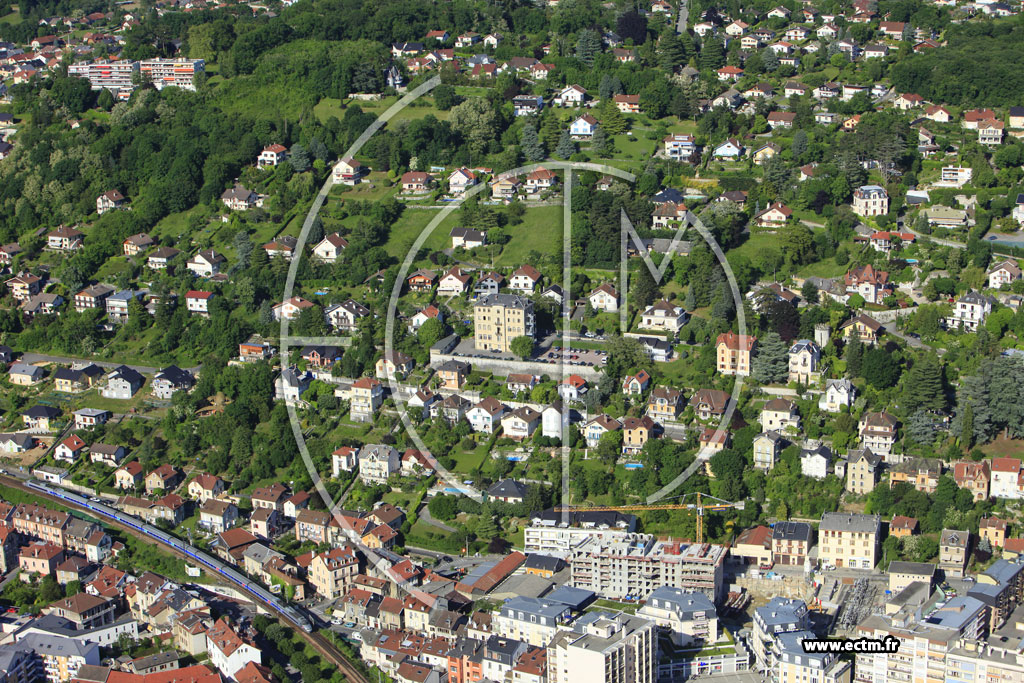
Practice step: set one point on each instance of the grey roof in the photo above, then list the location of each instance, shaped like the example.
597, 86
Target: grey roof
782, 612
850, 521
176, 376
507, 488
24, 369
684, 603
955, 538
506, 300
41, 411
127, 374
576, 598
58, 646
918, 568
792, 531
534, 607
790, 644
545, 562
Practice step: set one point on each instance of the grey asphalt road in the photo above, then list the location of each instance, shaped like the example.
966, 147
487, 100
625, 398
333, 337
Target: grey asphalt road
31, 358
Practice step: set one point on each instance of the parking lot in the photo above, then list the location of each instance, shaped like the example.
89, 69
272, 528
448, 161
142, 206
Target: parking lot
572, 356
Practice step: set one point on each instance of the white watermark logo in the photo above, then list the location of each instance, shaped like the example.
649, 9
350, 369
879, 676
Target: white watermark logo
453, 482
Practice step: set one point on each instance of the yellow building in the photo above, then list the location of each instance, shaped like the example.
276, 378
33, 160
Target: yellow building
500, 318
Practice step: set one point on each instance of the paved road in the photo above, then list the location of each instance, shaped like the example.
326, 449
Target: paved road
31, 358
684, 16
424, 514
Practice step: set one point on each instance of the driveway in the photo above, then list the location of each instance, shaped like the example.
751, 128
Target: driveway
424, 514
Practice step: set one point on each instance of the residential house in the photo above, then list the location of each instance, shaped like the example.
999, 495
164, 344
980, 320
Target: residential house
973, 476
122, 383
597, 427
1003, 273
954, 547
634, 385
709, 403
377, 463
24, 375
778, 415
163, 478
206, 263
849, 540
627, 104
862, 327
521, 423
774, 216
272, 155
170, 380
452, 374
734, 353
878, 432
239, 198
664, 403
64, 239
870, 200
804, 356
346, 315
767, 448
161, 257
635, 434
290, 308
110, 200
108, 454
664, 317
605, 298
365, 397
348, 172
394, 364
454, 282
460, 180
862, 469
970, 311
198, 302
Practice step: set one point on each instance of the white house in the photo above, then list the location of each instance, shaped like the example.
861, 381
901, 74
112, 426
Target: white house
815, 461
663, 316
1003, 274
486, 415
839, 393
970, 311
348, 172
206, 263
460, 180
604, 298
229, 652
583, 127
330, 248
730, 149
804, 356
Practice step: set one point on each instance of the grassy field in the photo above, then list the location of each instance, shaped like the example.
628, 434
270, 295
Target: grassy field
12, 18
541, 230
331, 106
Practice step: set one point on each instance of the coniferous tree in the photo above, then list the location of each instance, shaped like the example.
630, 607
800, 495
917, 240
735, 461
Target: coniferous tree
671, 52
712, 54
599, 142
771, 364
854, 357
530, 143
588, 44
566, 147
923, 386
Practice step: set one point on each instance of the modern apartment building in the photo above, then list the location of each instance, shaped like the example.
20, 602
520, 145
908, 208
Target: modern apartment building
604, 648
179, 73
500, 318
115, 76
634, 566
560, 532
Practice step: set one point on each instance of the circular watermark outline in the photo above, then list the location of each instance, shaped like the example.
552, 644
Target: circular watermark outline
380, 562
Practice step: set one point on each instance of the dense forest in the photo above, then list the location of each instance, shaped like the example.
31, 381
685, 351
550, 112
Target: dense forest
980, 66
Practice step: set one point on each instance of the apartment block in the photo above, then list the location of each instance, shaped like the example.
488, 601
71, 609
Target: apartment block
500, 318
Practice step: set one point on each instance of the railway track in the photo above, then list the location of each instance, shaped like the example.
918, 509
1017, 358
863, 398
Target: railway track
319, 643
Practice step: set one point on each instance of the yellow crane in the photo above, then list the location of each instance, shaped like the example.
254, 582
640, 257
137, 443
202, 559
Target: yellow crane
700, 506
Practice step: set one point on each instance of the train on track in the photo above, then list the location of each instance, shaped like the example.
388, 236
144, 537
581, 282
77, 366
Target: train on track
289, 613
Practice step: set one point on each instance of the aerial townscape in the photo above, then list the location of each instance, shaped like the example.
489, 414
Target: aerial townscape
512, 341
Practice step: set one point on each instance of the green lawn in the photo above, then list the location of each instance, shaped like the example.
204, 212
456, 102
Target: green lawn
541, 231
12, 18
331, 106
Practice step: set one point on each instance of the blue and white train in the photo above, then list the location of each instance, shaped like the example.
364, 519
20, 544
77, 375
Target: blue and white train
288, 612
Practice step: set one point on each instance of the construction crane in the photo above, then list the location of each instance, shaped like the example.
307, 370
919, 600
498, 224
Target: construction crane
700, 506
